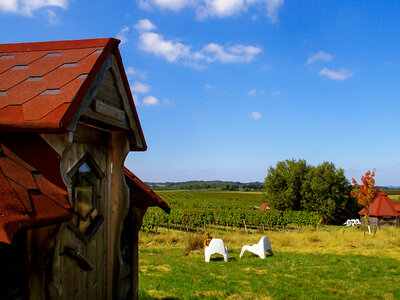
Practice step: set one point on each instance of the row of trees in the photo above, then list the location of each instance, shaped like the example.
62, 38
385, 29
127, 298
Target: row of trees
204, 185
296, 185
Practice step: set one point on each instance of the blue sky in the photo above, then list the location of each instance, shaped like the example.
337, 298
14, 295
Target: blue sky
226, 88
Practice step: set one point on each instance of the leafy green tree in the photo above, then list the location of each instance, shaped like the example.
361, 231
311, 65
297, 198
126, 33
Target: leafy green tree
327, 191
294, 185
283, 184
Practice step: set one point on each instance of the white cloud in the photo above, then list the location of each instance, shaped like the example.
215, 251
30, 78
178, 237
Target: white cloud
136, 99
255, 115
140, 88
27, 7
167, 102
252, 92
131, 71
208, 86
175, 51
145, 25
319, 56
156, 44
276, 93
238, 53
339, 75
174, 5
273, 8
216, 8
122, 35
222, 8
52, 17
150, 101
9, 5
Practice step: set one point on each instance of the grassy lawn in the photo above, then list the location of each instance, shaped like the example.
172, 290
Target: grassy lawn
329, 263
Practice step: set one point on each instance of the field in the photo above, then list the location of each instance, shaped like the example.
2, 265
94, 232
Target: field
394, 197
192, 210
328, 262
213, 199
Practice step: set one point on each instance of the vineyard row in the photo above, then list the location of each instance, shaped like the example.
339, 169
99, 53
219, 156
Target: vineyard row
192, 219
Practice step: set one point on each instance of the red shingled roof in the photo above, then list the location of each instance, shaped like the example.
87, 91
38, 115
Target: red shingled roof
42, 84
396, 206
264, 206
141, 195
381, 206
28, 199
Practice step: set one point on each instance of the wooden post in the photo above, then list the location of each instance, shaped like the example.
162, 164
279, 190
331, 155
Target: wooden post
135, 258
245, 227
118, 206
137, 218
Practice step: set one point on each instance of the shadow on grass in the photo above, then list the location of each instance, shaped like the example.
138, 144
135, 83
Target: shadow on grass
144, 296
230, 259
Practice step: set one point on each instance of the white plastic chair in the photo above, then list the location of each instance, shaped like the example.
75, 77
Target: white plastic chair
349, 222
259, 249
216, 246
352, 222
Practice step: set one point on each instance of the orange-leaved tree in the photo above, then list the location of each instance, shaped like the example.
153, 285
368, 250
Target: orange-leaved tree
366, 192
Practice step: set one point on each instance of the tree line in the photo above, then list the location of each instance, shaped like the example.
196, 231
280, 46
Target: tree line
206, 185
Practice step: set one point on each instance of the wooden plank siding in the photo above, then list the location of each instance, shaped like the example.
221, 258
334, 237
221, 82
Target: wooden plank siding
70, 281
119, 205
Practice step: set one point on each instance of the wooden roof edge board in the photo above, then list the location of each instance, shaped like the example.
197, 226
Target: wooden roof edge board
87, 92
158, 201
118, 57
136, 138
55, 45
31, 126
95, 76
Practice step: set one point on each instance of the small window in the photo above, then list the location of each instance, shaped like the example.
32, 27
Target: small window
85, 184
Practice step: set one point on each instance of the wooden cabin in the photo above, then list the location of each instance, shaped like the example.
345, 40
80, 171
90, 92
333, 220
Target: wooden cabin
382, 211
70, 212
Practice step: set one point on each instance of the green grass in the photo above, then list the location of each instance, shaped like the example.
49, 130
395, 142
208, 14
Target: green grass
334, 265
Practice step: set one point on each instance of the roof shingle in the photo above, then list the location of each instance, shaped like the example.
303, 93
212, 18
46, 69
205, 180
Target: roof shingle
27, 198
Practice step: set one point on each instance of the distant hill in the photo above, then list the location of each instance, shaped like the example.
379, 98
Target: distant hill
391, 190
204, 185
390, 187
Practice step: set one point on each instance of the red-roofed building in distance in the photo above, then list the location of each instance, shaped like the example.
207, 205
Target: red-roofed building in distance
264, 206
381, 211
396, 206
70, 212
